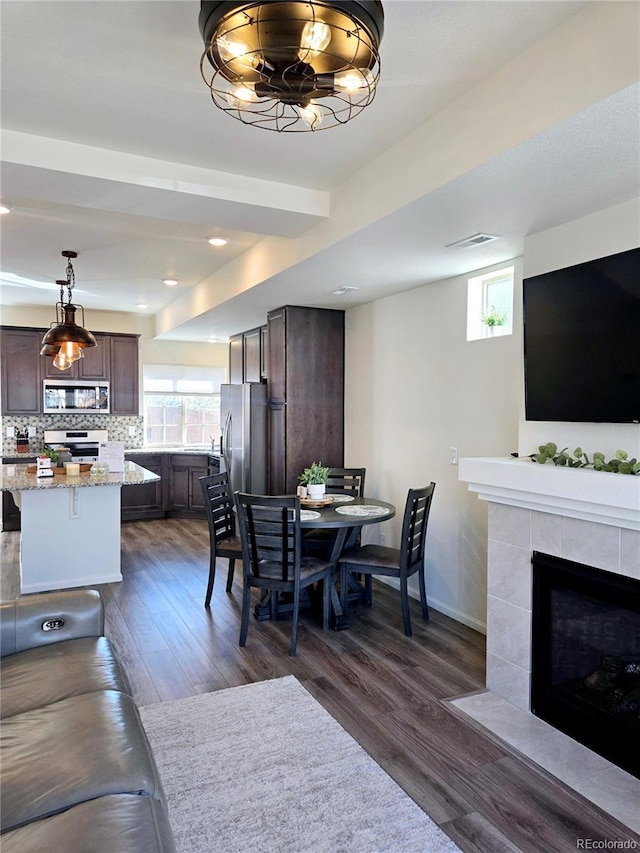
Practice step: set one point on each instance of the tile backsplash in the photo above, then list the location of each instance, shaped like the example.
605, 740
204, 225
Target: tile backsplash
118, 428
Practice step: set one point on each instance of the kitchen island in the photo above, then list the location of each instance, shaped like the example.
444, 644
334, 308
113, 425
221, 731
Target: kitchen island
70, 525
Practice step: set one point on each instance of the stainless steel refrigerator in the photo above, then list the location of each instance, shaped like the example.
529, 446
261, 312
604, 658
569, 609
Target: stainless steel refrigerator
243, 416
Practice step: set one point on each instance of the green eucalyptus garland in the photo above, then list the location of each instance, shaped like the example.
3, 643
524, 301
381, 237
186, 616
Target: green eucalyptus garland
620, 464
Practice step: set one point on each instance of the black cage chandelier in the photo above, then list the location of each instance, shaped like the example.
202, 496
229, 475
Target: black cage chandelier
66, 340
292, 66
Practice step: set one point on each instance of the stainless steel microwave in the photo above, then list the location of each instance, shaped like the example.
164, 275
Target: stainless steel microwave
75, 395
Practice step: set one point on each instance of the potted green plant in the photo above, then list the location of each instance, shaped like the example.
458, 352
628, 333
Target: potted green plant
315, 479
494, 318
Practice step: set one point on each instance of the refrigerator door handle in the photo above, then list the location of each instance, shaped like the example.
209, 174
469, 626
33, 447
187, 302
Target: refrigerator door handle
226, 443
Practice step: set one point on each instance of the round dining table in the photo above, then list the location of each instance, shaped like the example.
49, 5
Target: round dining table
346, 515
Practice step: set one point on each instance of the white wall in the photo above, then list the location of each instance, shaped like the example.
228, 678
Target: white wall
414, 388
606, 232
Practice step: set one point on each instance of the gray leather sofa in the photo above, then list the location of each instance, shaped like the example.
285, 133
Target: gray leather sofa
76, 768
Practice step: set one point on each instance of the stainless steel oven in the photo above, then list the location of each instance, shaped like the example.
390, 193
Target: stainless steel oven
83, 444
71, 395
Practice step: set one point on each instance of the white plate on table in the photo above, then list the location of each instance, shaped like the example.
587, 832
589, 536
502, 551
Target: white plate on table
341, 499
367, 510
308, 514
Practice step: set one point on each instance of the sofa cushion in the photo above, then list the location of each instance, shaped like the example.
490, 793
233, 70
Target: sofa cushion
47, 674
74, 750
123, 823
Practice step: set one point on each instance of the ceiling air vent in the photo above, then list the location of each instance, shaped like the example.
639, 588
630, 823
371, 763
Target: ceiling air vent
474, 240
346, 288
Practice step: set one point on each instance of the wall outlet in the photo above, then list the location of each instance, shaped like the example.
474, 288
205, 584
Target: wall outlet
132, 430
11, 432
453, 456
32, 432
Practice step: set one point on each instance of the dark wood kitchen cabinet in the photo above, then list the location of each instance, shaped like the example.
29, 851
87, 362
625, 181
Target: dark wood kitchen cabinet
11, 518
124, 375
21, 370
146, 500
236, 360
251, 354
185, 493
305, 379
247, 356
115, 359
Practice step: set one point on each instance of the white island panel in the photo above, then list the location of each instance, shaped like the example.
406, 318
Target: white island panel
70, 525
70, 537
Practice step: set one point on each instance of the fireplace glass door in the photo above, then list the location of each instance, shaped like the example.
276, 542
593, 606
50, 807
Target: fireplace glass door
586, 656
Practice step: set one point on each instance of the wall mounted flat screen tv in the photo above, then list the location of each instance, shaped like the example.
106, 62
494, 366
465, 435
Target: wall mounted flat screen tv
582, 342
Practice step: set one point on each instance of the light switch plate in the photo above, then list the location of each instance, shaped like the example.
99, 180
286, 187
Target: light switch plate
10, 432
32, 432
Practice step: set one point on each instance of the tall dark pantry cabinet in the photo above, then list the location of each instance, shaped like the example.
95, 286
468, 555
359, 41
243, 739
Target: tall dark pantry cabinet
305, 392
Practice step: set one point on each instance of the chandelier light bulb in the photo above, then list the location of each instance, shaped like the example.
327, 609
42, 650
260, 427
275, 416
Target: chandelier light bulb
68, 353
231, 49
241, 94
311, 115
316, 35
352, 80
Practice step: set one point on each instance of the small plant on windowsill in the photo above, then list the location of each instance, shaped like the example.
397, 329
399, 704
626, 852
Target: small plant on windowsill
494, 318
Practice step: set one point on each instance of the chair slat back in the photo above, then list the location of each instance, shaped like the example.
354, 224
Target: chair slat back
348, 481
414, 526
269, 529
218, 502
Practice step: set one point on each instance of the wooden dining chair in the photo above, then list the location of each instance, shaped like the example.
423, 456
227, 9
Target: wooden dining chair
272, 558
223, 539
349, 481
341, 481
398, 563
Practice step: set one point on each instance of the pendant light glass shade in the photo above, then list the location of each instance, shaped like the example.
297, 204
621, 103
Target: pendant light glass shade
65, 340
291, 66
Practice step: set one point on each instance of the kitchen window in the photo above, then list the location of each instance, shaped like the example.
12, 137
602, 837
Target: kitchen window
181, 404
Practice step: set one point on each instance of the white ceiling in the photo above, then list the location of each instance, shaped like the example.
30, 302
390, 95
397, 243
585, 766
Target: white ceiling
112, 148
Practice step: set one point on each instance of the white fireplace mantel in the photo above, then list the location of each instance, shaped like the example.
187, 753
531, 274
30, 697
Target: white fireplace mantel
581, 493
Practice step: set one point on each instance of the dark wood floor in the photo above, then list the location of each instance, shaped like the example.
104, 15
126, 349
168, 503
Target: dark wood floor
387, 690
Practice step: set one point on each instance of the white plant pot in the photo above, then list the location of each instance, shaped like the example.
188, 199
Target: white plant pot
316, 492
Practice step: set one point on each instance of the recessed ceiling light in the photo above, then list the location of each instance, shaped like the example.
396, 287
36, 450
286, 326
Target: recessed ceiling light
170, 282
4, 209
218, 241
141, 304
212, 340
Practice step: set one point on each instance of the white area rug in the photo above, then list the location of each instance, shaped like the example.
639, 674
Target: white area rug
264, 767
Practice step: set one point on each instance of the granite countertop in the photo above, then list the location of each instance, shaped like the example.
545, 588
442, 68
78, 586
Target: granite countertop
16, 478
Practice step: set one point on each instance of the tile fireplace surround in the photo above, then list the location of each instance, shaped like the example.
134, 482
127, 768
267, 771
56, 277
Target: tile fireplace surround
582, 515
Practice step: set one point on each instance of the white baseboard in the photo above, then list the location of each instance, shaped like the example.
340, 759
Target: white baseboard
441, 607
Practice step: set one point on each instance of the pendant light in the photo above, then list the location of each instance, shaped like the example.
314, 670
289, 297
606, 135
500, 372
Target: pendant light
66, 340
291, 66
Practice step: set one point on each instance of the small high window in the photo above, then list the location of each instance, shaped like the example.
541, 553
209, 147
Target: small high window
490, 304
